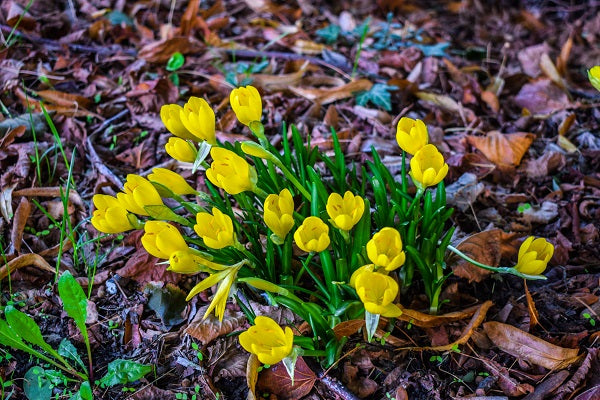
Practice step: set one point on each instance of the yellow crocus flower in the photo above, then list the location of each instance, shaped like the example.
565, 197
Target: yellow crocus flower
377, 291
170, 116
181, 150
188, 262
594, 76
110, 216
139, 192
162, 239
278, 213
267, 340
312, 235
225, 279
246, 104
411, 134
199, 119
385, 249
230, 172
216, 230
171, 180
534, 255
427, 167
345, 212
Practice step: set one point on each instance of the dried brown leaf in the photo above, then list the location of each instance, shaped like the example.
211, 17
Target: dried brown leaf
549, 69
276, 380
308, 47
67, 100
542, 97
348, 328
274, 83
161, 51
26, 260
252, 376
188, 18
19, 222
329, 95
534, 317
210, 328
523, 345
483, 247
11, 135
447, 103
424, 320
503, 149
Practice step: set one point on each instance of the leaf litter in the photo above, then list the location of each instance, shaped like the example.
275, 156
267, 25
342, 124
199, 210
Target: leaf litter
518, 120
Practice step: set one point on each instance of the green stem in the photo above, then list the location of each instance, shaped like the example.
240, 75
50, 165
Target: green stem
293, 179
286, 261
329, 274
500, 270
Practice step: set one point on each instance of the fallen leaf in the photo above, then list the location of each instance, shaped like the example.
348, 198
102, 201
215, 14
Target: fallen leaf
447, 103
549, 69
161, 51
529, 58
502, 148
523, 345
273, 83
491, 100
476, 320
483, 247
64, 99
209, 328
252, 376
348, 328
541, 214
548, 386
424, 320
463, 193
307, 47
566, 144
534, 318
26, 260
275, 380
168, 302
20, 220
329, 95
542, 97
545, 165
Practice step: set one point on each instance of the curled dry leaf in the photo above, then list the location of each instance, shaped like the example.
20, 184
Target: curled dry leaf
161, 51
209, 328
329, 95
252, 376
348, 328
447, 103
483, 247
424, 320
276, 380
503, 149
528, 347
534, 318
26, 260
19, 222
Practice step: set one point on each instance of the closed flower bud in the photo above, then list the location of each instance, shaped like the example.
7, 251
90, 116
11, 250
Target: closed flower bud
345, 212
377, 291
246, 104
188, 262
170, 116
139, 192
181, 150
411, 135
172, 180
594, 76
312, 235
199, 119
230, 172
216, 230
256, 150
427, 167
278, 213
385, 249
267, 340
534, 255
162, 239
110, 216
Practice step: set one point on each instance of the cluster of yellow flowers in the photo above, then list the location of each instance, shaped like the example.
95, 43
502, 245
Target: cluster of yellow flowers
193, 128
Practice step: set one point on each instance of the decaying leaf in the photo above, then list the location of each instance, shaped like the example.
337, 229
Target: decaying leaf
483, 247
533, 313
541, 214
210, 328
503, 148
161, 51
26, 260
252, 376
523, 345
329, 95
276, 380
348, 328
424, 320
447, 103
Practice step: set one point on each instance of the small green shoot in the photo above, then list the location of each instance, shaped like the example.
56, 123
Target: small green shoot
591, 320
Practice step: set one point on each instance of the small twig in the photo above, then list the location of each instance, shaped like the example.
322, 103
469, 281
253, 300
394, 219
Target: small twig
337, 388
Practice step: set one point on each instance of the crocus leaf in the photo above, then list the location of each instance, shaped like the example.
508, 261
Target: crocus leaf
74, 301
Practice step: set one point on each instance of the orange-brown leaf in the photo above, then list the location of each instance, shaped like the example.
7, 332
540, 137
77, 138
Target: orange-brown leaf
276, 380
503, 149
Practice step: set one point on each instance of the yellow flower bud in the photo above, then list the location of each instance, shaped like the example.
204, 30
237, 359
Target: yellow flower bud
162, 239
267, 340
199, 119
594, 76
377, 291
246, 104
170, 116
312, 235
278, 213
139, 192
411, 135
256, 150
534, 255
427, 167
230, 172
355, 274
187, 262
225, 279
172, 180
110, 216
345, 212
181, 150
385, 249
216, 230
